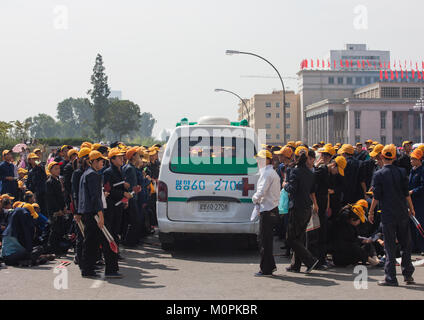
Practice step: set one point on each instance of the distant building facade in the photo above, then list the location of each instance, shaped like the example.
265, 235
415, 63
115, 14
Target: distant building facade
266, 112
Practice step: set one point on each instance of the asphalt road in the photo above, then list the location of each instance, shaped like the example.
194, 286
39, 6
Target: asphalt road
217, 269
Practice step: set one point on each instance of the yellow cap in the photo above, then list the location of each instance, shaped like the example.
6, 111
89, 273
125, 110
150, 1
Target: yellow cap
51, 165
131, 152
301, 149
5, 152
359, 211
71, 152
84, 152
6, 196
389, 151
37, 150
341, 164
417, 154
18, 204
86, 145
291, 144
33, 156
346, 148
327, 149
96, 155
114, 152
298, 143
362, 203
376, 150
264, 154
31, 210
369, 141
65, 147
96, 146
421, 147
406, 142
22, 171
285, 151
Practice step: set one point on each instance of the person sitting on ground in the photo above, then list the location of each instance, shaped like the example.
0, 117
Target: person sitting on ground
348, 249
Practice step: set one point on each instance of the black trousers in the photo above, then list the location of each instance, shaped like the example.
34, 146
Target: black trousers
401, 231
57, 233
298, 221
133, 224
113, 222
94, 237
78, 245
267, 221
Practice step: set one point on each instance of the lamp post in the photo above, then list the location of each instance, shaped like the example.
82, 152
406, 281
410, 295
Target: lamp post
231, 52
419, 107
244, 103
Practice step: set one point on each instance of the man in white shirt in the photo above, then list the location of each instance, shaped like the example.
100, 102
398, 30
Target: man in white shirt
267, 196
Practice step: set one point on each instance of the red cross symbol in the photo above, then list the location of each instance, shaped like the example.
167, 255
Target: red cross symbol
244, 186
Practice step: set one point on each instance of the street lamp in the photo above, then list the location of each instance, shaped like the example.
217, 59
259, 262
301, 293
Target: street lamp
419, 107
242, 100
231, 52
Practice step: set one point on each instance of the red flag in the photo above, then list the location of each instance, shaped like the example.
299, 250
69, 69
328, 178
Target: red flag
407, 74
381, 66
397, 75
416, 65
391, 75
351, 63
317, 63
368, 63
341, 63
347, 63
329, 64
401, 73
419, 74
359, 64
323, 64
381, 74
334, 64
312, 63
306, 63
386, 75
363, 63
413, 74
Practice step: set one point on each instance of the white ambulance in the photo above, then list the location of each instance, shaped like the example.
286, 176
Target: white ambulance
207, 177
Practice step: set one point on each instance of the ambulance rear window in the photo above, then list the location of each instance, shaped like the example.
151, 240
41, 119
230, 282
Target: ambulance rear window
214, 155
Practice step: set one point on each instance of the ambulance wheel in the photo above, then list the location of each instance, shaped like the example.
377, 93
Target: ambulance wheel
253, 241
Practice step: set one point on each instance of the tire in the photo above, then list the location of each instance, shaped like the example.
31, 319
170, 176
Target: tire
167, 241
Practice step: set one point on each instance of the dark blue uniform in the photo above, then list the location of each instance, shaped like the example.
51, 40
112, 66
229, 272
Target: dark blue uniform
390, 189
7, 169
89, 204
133, 219
416, 184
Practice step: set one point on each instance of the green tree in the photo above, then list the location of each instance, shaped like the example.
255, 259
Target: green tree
123, 117
44, 126
99, 97
147, 122
76, 117
4, 131
20, 130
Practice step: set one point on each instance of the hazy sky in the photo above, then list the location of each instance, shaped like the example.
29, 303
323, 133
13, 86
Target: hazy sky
169, 56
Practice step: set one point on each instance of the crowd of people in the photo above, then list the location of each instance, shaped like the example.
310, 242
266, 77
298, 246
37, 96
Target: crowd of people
362, 196
47, 208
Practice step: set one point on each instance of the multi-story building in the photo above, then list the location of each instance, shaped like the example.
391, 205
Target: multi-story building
379, 111
324, 93
266, 112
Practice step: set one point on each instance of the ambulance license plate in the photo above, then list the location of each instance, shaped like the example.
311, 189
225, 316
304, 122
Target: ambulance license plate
213, 207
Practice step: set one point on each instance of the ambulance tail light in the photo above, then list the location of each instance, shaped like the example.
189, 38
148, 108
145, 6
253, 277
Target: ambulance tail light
162, 192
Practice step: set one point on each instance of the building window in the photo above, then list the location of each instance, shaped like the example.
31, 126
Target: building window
287, 125
288, 136
267, 126
367, 80
287, 104
349, 80
358, 80
268, 104
268, 136
390, 92
277, 126
397, 120
267, 115
340, 80
330, 80
383, 115
277, 136
357, 120
277, 115
411, 92
383, 140
277, 104
357, 139
287, 115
